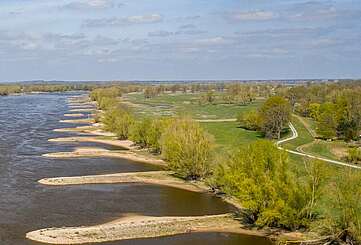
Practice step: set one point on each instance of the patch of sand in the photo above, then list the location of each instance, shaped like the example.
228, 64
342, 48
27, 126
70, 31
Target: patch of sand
82, 110
74, 115
126, 144
151, 177
85, 152
133, 228
80, 121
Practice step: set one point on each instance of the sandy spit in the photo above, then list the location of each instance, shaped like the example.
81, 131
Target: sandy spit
74, 115
85, 152
80, 121
164, 178
133, 228
82, 110
126, 144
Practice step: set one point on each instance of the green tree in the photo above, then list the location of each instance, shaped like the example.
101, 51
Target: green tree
327, 121
187, 148
275, 114
119, 121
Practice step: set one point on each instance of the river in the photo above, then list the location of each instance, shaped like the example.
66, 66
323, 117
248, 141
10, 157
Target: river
26, 124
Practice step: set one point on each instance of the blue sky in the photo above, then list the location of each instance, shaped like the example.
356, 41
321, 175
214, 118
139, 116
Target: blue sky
179, 39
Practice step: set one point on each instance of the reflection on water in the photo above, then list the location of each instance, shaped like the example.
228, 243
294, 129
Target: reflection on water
26, 124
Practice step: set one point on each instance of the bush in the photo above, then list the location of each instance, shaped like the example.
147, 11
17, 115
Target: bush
118, 120
354, 155
250, 120
258, 175
187, 148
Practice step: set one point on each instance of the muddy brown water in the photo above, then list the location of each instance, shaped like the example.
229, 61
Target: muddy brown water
26, 124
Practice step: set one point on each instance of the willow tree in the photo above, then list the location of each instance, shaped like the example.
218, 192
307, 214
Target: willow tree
187, 148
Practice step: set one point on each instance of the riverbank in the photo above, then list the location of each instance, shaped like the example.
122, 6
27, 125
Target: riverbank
118, 230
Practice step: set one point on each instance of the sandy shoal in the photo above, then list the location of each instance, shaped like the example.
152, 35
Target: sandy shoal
86, 152
135, 227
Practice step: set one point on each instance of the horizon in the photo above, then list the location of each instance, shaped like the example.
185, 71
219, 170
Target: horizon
109, 40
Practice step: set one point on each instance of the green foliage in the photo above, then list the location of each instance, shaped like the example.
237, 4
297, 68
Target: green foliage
118, 120
275, 113
354, 155
250, 120
258, 175
187, 148
314, 110
344, 211
327, 121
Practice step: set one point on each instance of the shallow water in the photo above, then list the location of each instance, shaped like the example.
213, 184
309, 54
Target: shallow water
26, 124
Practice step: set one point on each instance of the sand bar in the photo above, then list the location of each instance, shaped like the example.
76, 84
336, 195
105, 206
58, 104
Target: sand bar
80, 121
126, 144
82, 110
74, 115
133, 228
85, 152
150, 177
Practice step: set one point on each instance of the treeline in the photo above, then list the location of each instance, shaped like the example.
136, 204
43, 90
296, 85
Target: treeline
336, 108
181, 141
257, 175
230, 93
27, 88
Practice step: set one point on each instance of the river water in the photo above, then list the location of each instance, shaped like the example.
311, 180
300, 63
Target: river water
26, 124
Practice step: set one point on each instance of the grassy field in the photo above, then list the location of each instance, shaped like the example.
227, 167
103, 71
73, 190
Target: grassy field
179, 103
228, 135
304, 137
306, 142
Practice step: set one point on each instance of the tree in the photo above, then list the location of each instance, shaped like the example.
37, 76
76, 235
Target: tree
119, 121
345, 212
275, 114
327, 121
250, 120
259, 176
187, 148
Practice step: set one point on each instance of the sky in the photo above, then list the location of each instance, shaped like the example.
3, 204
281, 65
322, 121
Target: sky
179, 39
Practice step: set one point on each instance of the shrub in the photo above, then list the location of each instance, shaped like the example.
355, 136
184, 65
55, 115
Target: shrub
187, 148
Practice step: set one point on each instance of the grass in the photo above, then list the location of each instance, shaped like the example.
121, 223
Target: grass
304, 137
172, 104
228, 135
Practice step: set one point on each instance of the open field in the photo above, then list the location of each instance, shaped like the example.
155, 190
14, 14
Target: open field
179, 103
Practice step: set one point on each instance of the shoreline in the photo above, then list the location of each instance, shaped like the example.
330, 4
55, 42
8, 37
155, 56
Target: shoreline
111, 231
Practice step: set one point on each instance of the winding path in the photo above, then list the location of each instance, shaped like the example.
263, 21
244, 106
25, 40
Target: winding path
294, 136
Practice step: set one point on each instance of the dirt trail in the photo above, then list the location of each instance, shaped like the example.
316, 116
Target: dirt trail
295, 135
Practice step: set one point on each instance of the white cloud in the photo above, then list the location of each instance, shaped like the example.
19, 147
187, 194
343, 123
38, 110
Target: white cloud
252, 15
136, 19
89, 4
